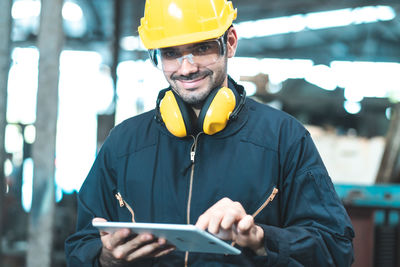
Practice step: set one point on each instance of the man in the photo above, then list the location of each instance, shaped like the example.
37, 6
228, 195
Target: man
210, 157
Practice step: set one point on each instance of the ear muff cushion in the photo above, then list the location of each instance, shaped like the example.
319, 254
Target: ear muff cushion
187, 114
171, 115
175, 115
203, 111
216, 110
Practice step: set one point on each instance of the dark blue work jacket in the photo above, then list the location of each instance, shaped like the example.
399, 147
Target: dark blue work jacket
305, 225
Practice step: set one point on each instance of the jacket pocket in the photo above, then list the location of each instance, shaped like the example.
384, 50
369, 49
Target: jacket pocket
123, 203
269, 198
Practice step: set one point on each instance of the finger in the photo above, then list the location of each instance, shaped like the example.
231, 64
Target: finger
253, 238
124, 249
224, 234
144, 251
245, 224
233, 213
228, 220
232, 216
202, 221
215, 221
162, 241
164, 252
139, 241
112, 240
212, 218
163, 249
98, 219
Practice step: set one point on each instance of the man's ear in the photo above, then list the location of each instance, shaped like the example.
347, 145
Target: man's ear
232, 41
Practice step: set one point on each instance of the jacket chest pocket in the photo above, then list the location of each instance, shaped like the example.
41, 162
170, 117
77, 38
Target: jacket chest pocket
264, 209
135, 183
264, 204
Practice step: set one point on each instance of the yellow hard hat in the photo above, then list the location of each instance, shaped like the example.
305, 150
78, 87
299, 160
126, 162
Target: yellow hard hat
176, 22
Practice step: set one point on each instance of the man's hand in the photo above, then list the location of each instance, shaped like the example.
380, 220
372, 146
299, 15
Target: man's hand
121, 246
229, 221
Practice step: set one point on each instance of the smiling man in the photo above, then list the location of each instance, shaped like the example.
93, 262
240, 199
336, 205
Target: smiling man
207, 155
194, 70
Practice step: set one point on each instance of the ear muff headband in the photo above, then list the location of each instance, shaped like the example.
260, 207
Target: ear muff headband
216, 112
171, 115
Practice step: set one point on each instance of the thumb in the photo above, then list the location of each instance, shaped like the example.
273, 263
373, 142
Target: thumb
98, 219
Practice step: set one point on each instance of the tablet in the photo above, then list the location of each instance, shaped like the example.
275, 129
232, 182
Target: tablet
185, 237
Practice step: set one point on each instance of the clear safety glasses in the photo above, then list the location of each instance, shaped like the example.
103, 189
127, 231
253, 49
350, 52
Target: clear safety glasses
202, 54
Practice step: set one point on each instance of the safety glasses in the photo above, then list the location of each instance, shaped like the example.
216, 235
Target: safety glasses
201, 54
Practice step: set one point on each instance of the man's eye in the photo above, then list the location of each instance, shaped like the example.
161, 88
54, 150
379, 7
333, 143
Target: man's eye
202, 48
169, 54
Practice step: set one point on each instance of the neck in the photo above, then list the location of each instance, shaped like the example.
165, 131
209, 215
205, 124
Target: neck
196, 111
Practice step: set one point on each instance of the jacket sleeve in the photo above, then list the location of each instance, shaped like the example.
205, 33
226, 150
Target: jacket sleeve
316, 230
95, 199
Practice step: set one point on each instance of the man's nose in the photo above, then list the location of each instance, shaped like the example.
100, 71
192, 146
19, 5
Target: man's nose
188, 65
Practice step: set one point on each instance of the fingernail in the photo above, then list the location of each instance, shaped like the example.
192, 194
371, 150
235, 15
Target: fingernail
125, 232
147, 237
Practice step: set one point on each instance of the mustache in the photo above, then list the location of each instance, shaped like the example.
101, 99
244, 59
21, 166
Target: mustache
192, 76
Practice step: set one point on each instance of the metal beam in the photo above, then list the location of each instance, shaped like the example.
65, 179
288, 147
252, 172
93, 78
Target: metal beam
342, 43
271, 9
5, 33
41, 221
105, 122
389, 170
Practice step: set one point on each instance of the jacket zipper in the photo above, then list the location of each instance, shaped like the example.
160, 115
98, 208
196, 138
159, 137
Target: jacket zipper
266, 202
192, 157
122, 203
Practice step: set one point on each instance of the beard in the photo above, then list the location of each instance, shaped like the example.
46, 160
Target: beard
193, 99
197, 96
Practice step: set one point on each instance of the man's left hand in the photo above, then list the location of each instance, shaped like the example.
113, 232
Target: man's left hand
229, 221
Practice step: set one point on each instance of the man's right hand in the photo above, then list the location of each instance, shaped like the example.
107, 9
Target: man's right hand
121, 246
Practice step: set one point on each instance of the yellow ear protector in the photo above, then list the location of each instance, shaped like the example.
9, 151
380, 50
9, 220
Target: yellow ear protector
219, 107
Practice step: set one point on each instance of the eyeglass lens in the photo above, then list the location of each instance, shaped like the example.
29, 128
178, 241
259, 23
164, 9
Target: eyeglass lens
202, 54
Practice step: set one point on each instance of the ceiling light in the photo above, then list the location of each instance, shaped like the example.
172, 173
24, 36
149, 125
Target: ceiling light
352, 107
131, 43
322, 76
314, 20
72, 12
388, 113
25, 9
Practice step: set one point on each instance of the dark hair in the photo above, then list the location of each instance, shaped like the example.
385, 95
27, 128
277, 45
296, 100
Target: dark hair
225, 38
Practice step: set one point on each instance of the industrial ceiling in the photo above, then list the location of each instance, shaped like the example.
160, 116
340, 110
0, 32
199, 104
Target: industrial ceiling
108, 21
378, 41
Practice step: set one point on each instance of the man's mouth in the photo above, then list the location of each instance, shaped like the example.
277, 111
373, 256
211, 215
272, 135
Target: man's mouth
192, 84
193, 80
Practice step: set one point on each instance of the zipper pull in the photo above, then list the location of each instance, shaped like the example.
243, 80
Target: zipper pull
269, 199
192, 154
273, 194
119, 197
122, 203
193, 148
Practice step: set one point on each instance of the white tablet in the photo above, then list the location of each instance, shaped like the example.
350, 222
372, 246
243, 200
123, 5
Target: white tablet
185, 237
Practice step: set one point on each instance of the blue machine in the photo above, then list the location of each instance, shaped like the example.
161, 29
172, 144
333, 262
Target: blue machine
377, 196
375, 214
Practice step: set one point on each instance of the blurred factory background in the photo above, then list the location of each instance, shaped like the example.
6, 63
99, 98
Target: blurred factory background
70, 70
